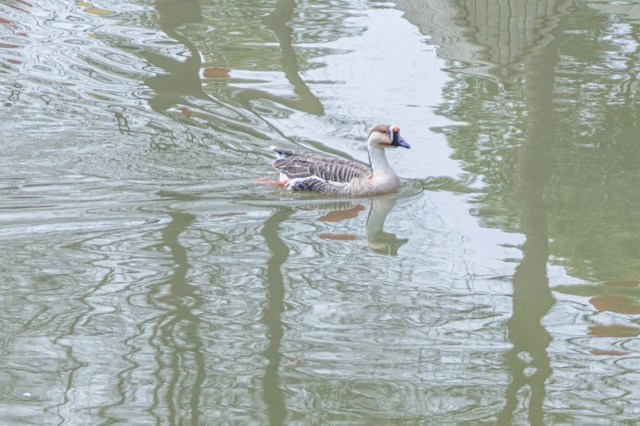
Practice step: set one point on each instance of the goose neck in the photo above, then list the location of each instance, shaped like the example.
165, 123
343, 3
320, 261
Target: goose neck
378, 159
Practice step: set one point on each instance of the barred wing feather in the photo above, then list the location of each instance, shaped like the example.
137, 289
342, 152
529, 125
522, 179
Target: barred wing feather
301, 166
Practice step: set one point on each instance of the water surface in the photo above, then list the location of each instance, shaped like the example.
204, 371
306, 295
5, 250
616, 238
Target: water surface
147, 279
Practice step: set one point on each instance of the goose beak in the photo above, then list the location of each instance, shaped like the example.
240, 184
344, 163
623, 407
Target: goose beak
397, 139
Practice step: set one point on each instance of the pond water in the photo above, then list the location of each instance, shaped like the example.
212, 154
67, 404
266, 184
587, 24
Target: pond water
147, 279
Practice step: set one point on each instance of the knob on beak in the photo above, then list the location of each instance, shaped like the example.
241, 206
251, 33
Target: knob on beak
397, 139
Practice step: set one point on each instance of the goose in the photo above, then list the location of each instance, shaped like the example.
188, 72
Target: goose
339, 177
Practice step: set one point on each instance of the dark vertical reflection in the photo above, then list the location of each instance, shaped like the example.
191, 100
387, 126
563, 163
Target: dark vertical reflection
528, 360
182, 78
276, 21
179, 348
273, 395
181, 83
511, 41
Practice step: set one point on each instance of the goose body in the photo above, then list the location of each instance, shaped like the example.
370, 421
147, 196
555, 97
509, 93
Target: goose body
336, 176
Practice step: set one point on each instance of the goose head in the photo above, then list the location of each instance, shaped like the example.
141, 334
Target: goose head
385, 136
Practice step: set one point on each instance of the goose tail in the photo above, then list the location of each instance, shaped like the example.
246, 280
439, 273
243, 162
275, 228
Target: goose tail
280, 152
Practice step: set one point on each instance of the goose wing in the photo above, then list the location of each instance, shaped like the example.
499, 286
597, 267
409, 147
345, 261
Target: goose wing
331, 170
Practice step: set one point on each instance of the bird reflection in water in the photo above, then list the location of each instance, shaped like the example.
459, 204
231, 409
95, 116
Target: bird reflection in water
378, 239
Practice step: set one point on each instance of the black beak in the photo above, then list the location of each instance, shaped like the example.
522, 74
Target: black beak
399, 140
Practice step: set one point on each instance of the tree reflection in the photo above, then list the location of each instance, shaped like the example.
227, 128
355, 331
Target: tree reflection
492, 46
571, 82
528, 359
277, 22
179, 357
182, 78
379, 241
272, 393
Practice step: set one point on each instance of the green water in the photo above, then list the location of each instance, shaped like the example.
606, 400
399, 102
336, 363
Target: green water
147, 279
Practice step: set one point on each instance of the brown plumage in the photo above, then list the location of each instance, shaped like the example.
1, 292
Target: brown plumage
335, 176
